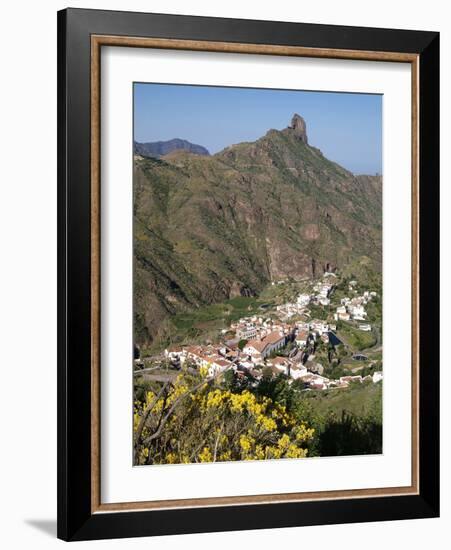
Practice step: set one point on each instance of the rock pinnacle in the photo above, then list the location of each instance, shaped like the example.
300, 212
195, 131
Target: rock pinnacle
299, 127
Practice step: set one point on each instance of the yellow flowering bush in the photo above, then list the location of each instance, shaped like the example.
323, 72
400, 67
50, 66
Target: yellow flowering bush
194, 421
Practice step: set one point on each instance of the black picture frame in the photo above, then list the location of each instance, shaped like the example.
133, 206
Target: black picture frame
75, 518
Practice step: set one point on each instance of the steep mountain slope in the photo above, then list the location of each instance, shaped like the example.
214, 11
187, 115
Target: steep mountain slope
160, 148
210, 228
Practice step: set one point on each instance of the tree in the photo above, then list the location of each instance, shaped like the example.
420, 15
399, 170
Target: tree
267, 373
241, 344
229, 380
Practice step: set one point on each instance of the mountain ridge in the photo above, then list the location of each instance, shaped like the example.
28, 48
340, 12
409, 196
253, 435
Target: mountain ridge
158, 149
208, 228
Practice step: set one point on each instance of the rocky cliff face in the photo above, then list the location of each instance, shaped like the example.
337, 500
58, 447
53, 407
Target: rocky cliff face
210, 228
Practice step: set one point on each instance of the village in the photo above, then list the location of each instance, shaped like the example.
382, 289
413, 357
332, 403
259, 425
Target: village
286, 340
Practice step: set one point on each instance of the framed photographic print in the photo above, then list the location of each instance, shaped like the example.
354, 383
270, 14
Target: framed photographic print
248, 274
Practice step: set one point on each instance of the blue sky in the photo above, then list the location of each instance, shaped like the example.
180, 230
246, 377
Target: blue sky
346, 127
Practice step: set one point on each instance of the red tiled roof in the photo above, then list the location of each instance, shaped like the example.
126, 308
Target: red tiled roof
273, 338
259, 345
222, 362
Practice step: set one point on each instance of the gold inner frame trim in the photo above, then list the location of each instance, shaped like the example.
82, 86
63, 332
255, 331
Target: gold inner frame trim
97, 41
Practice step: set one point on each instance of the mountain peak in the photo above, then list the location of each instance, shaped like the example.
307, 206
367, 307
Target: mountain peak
160, 148
299, 128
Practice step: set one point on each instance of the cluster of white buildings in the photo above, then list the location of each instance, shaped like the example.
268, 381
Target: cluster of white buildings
264, 336
289, 309
215, 359
319, 295
322, 293
220, 358
314, 381
255, 327
354, 309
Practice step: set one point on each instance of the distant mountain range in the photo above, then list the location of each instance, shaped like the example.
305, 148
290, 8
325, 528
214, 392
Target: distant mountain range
208, 228
157, 149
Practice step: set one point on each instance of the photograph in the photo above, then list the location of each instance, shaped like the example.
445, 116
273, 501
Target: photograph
248, 272
257, 274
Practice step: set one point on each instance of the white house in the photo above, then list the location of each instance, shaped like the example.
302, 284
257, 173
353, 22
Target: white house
264, 347
246, 331
280, 363
319, 326
219, 365
301, 338
342, 316
249, 365
317, 382
303, 299
357, 312
176, 354
324, 291
255, 356
297, 371
377, 377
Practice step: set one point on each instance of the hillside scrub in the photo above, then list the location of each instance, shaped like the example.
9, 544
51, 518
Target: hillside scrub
212, 228
196, 419
190, 420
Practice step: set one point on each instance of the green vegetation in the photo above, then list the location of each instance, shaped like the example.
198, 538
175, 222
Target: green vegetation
210, 228
241, 344
228, 311
203, 323
192, 419
346, 421
359, 400
356, 339
319, 312
282, 292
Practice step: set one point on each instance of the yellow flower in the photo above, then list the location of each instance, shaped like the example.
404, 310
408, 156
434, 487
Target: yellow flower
227, 455
283, 442
205, 455
259, 453
245, 443
149, 397
171, 458
136, 421
203, 371
295, 452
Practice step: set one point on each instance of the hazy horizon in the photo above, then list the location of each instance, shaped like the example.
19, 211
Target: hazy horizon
347, 127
